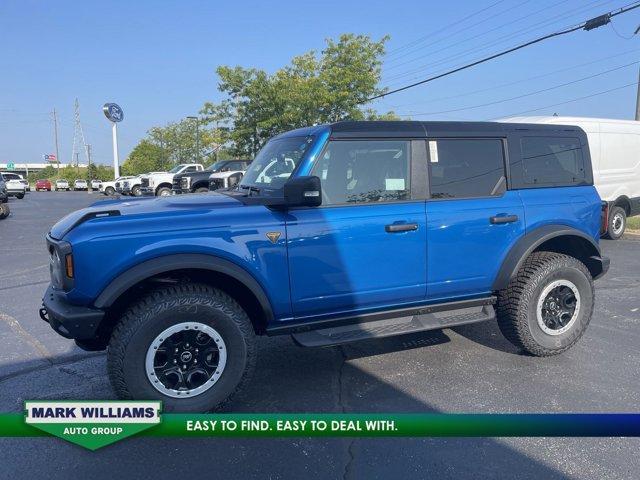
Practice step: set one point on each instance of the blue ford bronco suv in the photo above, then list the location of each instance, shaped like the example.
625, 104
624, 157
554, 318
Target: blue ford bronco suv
337, 233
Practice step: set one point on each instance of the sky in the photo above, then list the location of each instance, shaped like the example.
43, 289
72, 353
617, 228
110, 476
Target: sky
157, 60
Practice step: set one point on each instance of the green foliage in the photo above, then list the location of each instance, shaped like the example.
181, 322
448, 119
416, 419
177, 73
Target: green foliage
313, 89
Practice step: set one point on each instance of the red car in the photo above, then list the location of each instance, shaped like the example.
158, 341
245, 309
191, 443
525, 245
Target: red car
43, 185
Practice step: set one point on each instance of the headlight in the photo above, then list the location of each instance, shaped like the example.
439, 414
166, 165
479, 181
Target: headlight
186, 182
60, 264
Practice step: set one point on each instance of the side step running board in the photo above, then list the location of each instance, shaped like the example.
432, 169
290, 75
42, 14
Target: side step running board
394, 326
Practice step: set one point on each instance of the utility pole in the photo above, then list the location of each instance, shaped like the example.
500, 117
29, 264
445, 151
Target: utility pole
55, 135
89, 179
638, 94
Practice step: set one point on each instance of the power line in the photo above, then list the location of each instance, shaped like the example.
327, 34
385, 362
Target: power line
586, 25
571, 101
417, 41
509, 84
502, 39
525, 94
481, 34
451, 34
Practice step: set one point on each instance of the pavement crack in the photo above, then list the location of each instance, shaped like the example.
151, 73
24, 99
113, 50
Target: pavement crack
348, 468
36, 344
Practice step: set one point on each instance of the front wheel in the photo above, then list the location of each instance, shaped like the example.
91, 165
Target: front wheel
20, 196
191, 346
617, 223
109, 191
163, 192
548, 305
135, 191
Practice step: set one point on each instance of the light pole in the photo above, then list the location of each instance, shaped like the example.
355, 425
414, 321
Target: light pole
197, 120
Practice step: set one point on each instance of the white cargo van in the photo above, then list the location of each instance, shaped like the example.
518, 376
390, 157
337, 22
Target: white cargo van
615, 155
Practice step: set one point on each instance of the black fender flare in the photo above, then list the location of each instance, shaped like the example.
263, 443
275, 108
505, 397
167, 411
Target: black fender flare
532, 240
168, 263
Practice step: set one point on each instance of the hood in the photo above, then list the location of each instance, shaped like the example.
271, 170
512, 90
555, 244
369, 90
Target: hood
141, 206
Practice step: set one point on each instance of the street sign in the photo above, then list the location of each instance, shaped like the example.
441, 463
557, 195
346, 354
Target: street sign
11, 166
113, 112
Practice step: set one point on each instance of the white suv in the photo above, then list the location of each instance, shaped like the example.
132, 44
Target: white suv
16, 185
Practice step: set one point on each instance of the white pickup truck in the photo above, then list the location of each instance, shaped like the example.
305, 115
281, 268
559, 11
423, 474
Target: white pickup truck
160, 183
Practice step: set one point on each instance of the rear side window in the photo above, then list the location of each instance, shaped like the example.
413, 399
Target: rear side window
552, 161
466, 168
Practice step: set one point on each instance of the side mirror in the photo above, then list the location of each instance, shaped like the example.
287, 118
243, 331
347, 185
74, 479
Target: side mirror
303, 192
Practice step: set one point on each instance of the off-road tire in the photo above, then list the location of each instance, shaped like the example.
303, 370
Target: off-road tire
135, 191
616, 214
109, 191
20, 196
517, 304
162, 308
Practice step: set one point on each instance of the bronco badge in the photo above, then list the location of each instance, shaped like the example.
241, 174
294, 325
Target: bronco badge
273, 236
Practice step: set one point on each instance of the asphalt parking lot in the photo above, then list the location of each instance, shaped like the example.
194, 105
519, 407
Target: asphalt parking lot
469, 369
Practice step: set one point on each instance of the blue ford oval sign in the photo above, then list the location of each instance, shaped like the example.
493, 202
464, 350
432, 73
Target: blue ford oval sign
113, 112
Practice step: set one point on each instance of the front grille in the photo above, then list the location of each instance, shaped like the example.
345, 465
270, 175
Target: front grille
176, 184
144, 182
117, 184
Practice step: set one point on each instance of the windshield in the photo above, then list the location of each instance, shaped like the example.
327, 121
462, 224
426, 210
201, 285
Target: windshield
214, 167
275, 162
176, 169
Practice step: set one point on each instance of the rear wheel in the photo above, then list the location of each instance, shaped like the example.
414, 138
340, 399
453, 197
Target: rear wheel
109, 191
617, 223
548, 305
191, 346
20, 196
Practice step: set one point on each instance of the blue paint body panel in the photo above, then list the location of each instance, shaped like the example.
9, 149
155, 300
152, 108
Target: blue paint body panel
327, 261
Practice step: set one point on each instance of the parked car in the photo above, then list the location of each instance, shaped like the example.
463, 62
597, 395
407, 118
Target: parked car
160, 183
131, 186
19, 178
14, 184
377, 229
80, 184
615, 158
43, 184
62, 184
95, 184
198, 182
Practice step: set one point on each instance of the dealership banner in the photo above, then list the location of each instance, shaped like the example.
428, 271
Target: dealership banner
100, 423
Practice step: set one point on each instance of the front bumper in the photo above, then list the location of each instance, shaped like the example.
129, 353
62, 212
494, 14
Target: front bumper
147, 191
70, 321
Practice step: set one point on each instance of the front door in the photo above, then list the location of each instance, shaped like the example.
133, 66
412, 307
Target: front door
472, 219
364, 248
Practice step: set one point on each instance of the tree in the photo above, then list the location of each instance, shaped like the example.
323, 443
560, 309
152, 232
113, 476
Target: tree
313, 89
145, 157
92, 172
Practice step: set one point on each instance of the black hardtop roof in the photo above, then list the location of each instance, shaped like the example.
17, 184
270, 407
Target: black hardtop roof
409, 128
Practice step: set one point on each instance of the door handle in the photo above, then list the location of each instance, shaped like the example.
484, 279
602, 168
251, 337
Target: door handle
497, 219
401, 227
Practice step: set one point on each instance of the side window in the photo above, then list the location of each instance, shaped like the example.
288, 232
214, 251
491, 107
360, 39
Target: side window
552, 161
364, 171
191, 169
466, 168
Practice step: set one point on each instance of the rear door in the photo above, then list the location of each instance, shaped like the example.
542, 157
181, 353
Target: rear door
473, 220
365, 247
